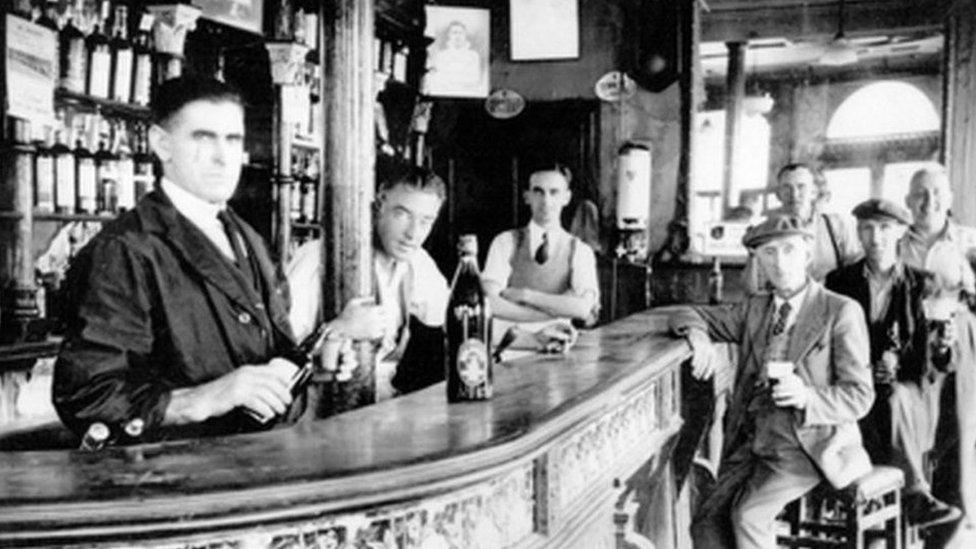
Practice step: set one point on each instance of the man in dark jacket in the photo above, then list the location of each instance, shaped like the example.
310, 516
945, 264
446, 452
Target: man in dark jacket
176, 314
891, 294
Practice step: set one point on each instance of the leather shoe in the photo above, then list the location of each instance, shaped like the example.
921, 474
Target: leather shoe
925, 511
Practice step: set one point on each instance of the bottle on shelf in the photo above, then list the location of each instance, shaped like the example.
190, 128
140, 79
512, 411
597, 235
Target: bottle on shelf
122, 56
72, 55
295, 191
467, 329
283, 21
86, 180
143, 177
142, 63
106, 171
310, 189
49, 16
715, 283
126, 168
99, 50
64, 167
44, 175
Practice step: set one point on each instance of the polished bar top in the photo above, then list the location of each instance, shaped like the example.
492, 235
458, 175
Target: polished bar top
415, 444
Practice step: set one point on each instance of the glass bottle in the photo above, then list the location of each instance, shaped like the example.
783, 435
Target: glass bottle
122, 54
73, 58
85, 176
106, 172
126, 168
99, 57
467, 329
44, 176
64, 168
142, 66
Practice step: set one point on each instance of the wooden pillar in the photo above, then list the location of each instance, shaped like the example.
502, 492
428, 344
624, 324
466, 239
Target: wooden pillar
19, 305
349, 182
692, 94
735, 90
959, 110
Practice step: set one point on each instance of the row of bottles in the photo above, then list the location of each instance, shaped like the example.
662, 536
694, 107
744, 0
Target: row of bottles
89, 164
390, 58
296, 22
99, 52
304, 193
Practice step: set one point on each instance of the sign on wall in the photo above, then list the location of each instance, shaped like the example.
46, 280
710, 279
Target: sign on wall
543, 29
31, 63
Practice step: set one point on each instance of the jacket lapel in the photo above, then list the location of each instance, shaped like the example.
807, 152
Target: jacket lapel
277, 307
809, 323
196, 250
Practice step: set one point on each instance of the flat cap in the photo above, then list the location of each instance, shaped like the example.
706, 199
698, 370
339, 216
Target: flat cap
775, 226
875, 208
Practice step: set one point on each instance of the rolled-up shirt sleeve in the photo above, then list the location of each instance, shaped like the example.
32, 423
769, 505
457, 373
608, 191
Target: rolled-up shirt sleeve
103, 372
584, 280
304, 274
498, 266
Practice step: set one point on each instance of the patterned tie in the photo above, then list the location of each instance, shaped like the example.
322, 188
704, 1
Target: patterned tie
780, 324
542, 252
237, 244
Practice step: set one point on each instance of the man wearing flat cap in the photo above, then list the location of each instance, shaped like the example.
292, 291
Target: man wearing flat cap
802, 382
907, 368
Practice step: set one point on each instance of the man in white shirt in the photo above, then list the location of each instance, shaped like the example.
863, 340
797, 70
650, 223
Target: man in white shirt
934, 242
409, 287
176, 315
540, 271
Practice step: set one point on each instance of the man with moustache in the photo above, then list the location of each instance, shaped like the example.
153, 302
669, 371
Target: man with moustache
541, 272
409, 286
905, 364
803, 381
175, 313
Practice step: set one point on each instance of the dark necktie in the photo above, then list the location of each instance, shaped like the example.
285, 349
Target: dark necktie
542, 252
780, 324
236, 244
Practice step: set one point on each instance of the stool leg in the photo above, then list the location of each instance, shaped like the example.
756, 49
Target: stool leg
855, 538
895, 539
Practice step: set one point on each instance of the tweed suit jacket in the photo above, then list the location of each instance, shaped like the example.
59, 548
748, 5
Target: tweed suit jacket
829, 346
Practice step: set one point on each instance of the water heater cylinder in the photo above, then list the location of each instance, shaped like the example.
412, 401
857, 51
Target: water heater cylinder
633, 186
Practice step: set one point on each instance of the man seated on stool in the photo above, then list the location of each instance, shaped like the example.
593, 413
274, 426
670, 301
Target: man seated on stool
802, 383
409, 286
540, 271
891, 295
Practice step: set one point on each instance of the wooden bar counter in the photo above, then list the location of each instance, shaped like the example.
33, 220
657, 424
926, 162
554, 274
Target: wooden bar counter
573, 451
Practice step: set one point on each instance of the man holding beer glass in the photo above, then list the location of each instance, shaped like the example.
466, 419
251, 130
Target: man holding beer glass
802, 383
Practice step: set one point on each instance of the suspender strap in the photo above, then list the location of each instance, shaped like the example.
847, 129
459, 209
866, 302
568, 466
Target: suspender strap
833, 240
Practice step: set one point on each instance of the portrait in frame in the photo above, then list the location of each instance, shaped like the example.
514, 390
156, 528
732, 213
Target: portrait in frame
458, 57
242, 14
543, 30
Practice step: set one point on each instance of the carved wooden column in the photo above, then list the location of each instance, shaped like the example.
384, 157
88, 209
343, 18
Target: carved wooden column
287, 64
349, 181
959, 114
19, 303
735, 91
692, 94
170, 25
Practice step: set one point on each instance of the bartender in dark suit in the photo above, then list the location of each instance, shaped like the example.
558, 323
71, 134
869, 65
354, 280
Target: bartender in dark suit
175, 312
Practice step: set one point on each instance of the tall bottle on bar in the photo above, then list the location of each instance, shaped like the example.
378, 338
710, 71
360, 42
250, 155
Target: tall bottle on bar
468, 330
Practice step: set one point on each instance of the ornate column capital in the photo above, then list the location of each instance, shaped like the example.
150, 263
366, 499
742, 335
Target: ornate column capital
287, 62
172, 22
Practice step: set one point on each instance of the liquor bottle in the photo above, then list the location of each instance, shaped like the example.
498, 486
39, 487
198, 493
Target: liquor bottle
49, 16
310, 190
467, 329
283, 20
64, 169
85, 176
122, 54
715, 283
142, 67
143, 177
96, 437
106, 172
295, 190
126, 169
72, 56
99, 57
44, 176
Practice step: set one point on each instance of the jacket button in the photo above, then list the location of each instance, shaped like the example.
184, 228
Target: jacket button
244, 317
259, 306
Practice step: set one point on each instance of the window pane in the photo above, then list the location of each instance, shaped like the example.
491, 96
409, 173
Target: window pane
848, 187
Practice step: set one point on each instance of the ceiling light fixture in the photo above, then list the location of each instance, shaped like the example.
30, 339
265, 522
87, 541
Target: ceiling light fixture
840, 50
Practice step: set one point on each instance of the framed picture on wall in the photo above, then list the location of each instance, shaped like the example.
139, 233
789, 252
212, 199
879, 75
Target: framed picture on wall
541, 30
457, 59
243, 14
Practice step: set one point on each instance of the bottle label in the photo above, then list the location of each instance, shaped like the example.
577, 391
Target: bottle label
65, 192
472, 362
87, 184
74, 73
127, 184
99, 73
141, 80
122, 82
45, 183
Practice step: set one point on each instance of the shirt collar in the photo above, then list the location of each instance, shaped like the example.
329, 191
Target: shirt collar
947, 233
897, 271
795, 301
192, 207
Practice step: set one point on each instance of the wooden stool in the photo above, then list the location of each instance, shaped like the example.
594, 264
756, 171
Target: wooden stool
868, 510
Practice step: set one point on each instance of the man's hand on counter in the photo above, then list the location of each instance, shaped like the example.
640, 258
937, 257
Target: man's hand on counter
263, 388
702, 359
557, 337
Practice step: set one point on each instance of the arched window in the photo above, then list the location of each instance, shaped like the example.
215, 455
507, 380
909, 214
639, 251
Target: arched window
884, 109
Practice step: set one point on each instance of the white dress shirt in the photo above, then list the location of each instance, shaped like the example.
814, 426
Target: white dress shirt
202, 214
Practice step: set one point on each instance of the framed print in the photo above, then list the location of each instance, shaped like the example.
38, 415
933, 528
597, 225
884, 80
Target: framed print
457, 59
243, 14
543, 29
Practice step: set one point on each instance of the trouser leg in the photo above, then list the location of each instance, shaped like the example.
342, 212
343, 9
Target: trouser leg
914, 419
774, 483
711, 527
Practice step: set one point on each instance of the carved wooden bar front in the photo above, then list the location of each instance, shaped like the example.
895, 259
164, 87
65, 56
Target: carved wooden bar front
572, 452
